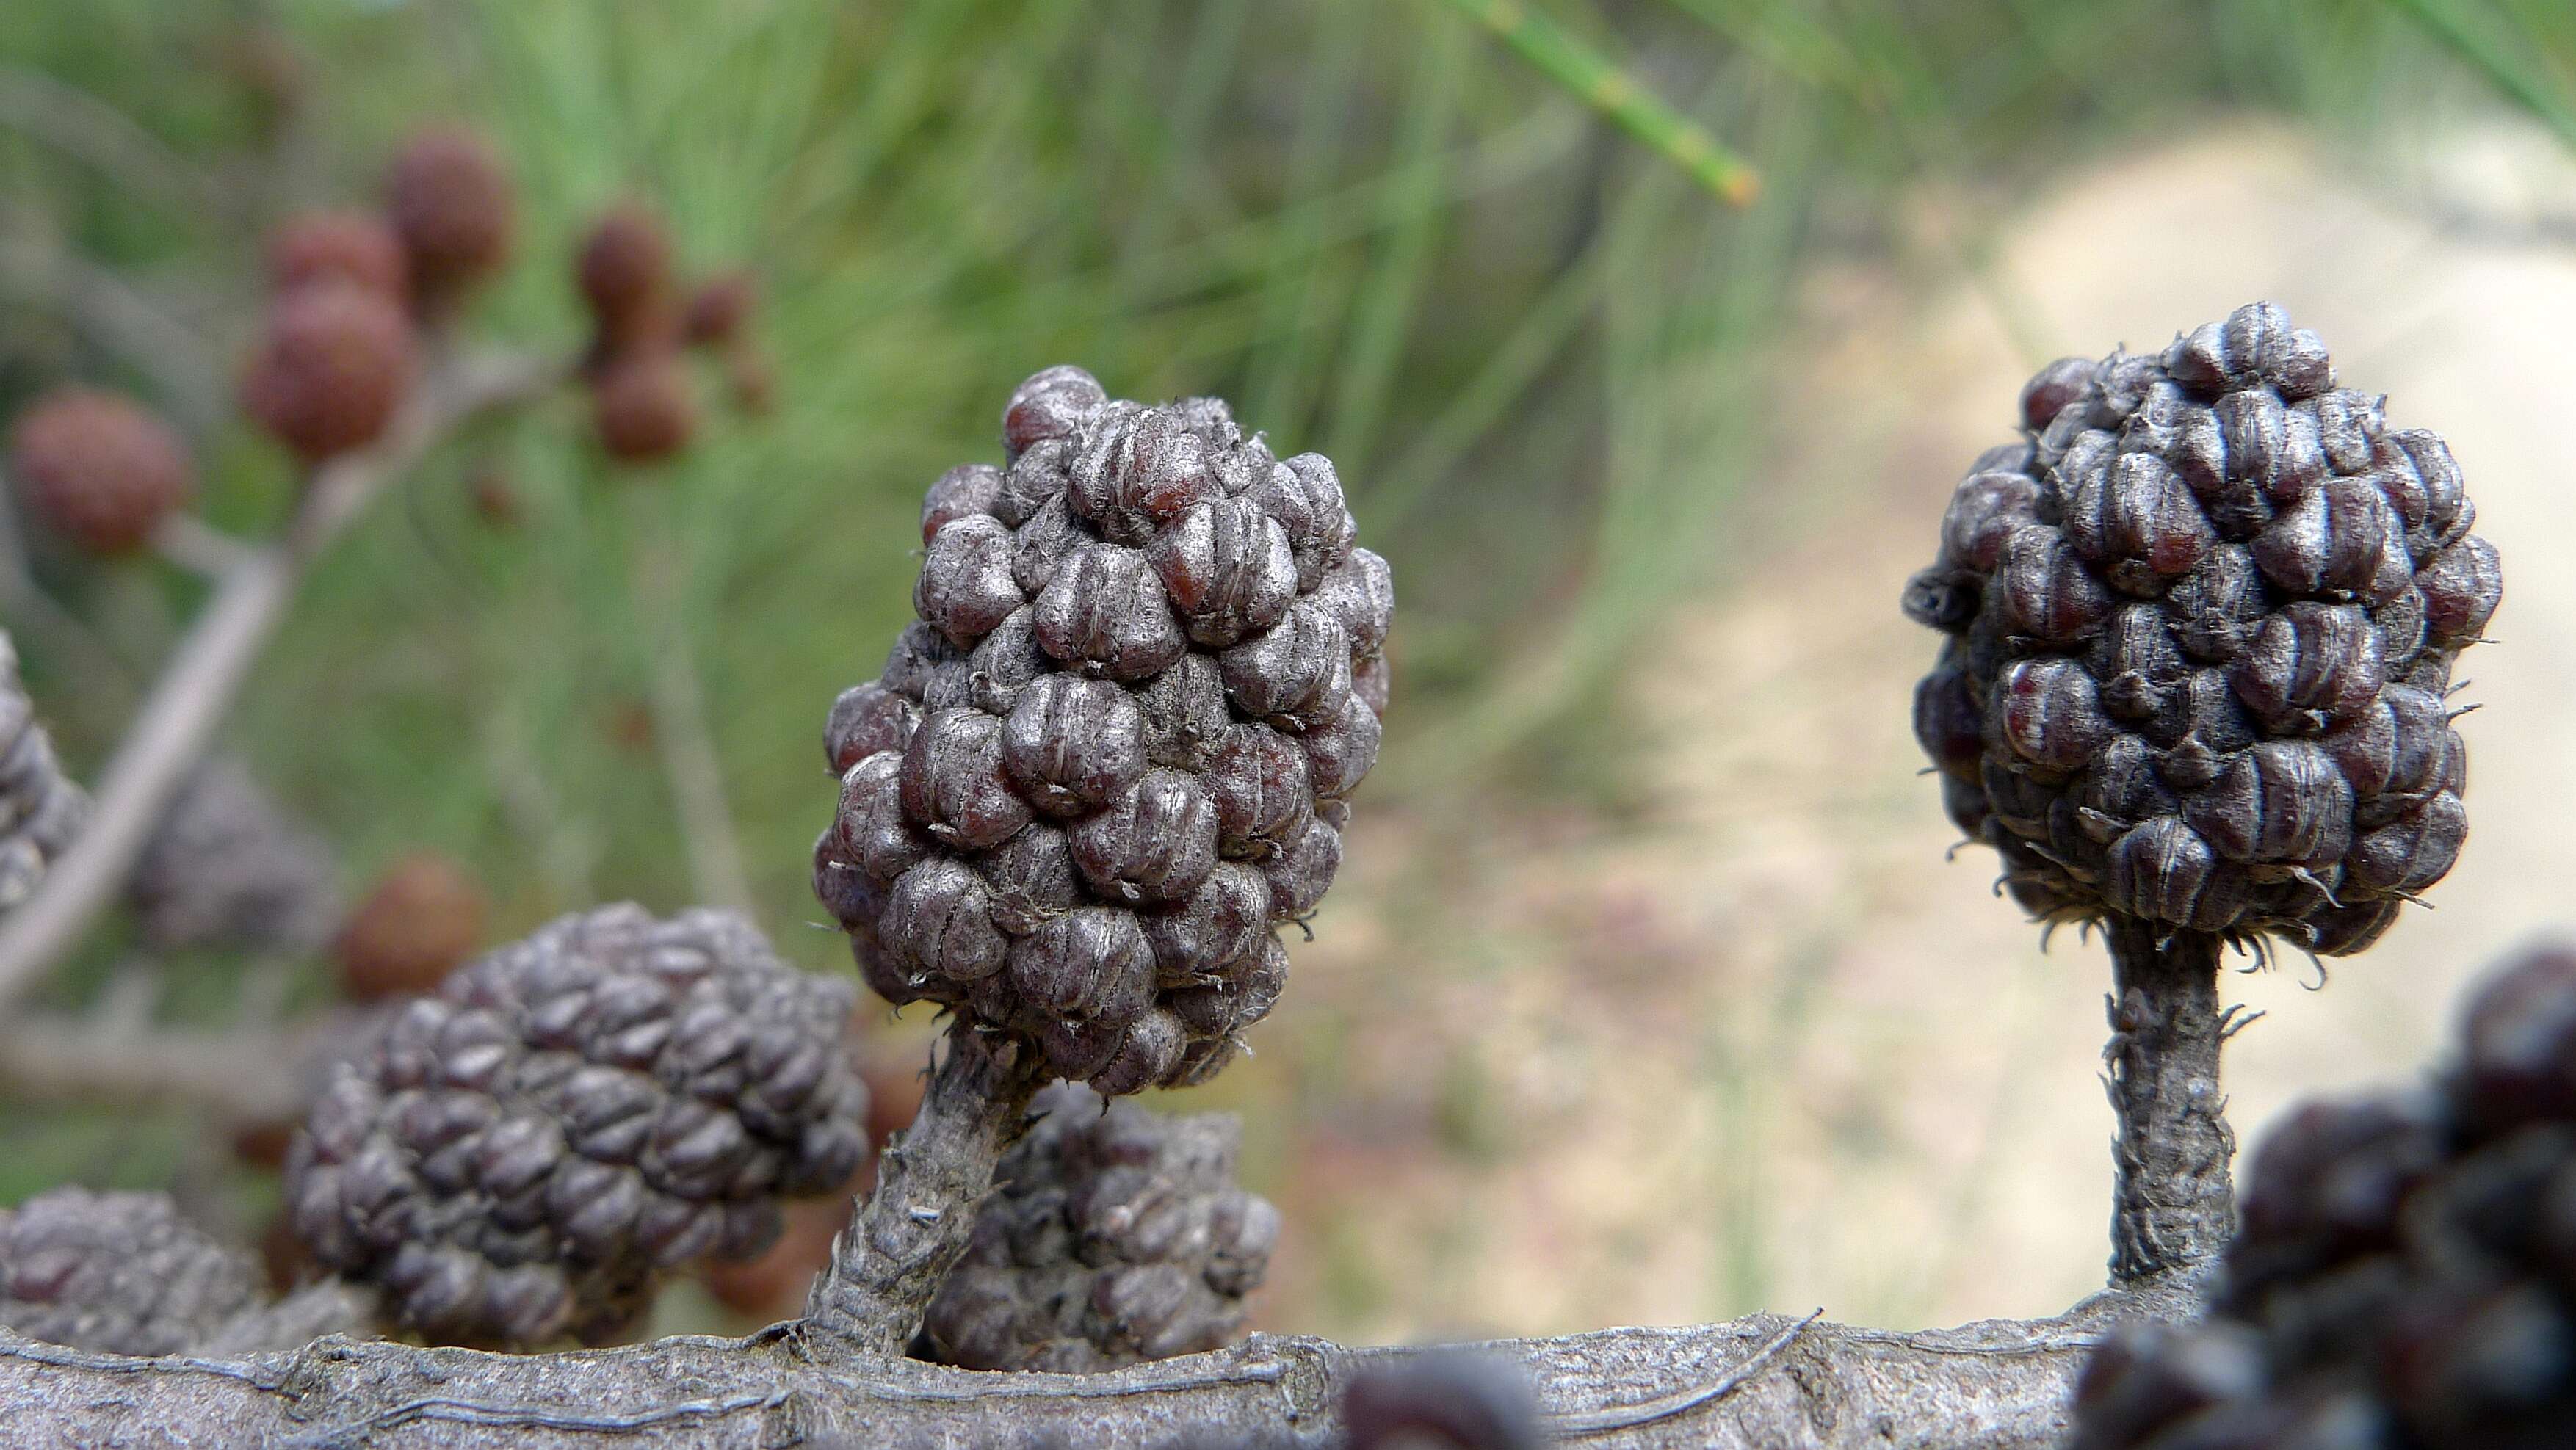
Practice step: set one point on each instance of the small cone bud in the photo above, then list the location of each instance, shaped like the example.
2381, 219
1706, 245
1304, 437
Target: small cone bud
643, 408
624, 272
99, 469
720, 310
346, 246
450, 201
422, 920
335, 364
751, 379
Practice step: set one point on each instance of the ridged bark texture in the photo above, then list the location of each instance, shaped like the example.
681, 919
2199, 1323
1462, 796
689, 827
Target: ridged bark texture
2173, 1205
1763, 1383
886, 1266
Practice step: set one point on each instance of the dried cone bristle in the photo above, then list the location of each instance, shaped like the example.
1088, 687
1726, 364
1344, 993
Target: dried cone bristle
449, 199
98, 468
346, 246
335, 364
1115, 1235
643, 407
1115, 755
117, 1273
624, 272
719, 310
2405, 1275
521, 1156
41, 810
422, 920
2202, 622
226, 867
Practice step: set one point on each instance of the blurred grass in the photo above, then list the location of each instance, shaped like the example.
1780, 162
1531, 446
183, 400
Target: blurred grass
1541, 354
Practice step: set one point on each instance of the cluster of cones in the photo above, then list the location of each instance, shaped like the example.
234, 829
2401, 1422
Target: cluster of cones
336, 355
426, 916
643, 322
349, 288
352, 294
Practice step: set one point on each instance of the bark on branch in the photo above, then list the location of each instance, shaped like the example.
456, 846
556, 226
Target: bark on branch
239, 1076
196, 689
2173, 1205
1766, 1381
887, 1264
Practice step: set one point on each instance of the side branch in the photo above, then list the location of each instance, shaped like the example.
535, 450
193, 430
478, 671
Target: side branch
2173, 1205
197, 688
1765, 1381
887, 1264
242, 1076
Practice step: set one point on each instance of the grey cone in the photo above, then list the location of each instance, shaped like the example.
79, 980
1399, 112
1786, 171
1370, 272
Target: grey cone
1116, 1235
226, 867
522, 1156
1114, 756
2201, 625
119, 1273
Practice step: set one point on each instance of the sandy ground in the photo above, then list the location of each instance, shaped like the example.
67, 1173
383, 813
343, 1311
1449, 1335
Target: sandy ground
1765, 1046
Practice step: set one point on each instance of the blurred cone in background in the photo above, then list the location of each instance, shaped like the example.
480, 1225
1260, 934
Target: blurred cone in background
449, 199
98, 468
227, 868
624, 272
719, 309
643, 408
335, 363
348, 246
424, 917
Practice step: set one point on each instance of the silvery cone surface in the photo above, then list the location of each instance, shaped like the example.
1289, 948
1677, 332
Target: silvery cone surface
1116, 1234
226, 867
2201, 620
118, 1273
1115, 755
521, 1156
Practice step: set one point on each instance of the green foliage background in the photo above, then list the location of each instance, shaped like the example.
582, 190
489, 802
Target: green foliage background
1536, 348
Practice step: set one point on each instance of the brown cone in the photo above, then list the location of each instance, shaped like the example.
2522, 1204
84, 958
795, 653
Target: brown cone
719, 309
423, 919
751, 381
449, 199
624, 272
335, 364
642, 407
349, 246
98, 468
